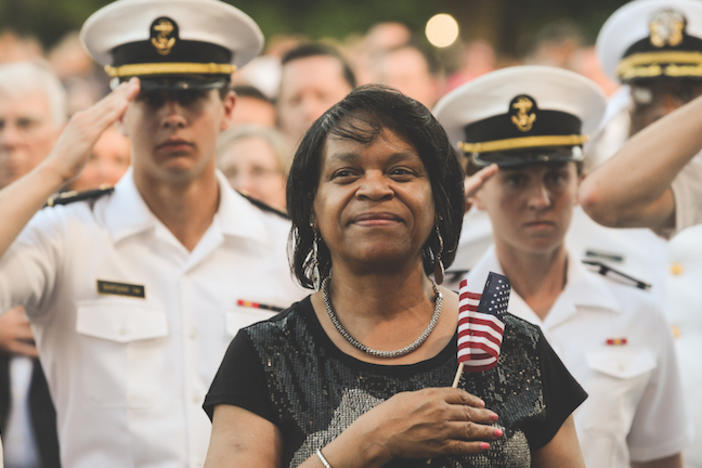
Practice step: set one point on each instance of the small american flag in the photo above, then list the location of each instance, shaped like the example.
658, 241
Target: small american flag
480, 325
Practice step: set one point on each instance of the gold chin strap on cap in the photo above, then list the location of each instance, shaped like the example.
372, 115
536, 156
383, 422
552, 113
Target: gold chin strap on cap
170, 68
523, 142
664, 63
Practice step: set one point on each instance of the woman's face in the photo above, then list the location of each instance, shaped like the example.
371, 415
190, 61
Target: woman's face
374, 206
531, 208
250, 165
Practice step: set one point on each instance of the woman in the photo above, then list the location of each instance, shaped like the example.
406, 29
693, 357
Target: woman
255, 160
532, 122
352, 375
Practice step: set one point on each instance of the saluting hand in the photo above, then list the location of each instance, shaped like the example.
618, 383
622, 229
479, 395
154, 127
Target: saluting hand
473, 183
75, 143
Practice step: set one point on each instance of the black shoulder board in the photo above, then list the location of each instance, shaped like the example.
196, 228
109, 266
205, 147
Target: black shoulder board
264, 206
64, 198
608, 271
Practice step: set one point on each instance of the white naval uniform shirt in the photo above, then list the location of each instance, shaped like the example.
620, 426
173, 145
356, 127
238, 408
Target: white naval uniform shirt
128, 375
635, 410
687, 190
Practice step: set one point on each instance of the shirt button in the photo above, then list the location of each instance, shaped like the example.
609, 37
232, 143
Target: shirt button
193, 333
676, 268
122, 330
676, 331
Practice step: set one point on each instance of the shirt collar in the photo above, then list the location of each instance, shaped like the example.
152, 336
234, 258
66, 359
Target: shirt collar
588, 289
127, 214
583, 287
236, 215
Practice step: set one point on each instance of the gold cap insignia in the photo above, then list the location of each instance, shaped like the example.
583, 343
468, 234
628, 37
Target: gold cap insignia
667, 28
163, 33
520, 108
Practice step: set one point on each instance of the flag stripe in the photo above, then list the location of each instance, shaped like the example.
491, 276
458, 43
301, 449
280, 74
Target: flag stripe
468, 335
493, 329
477, 358
466, 320
483, 346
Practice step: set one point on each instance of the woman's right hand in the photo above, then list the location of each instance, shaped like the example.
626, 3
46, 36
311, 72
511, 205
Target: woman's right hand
422, 424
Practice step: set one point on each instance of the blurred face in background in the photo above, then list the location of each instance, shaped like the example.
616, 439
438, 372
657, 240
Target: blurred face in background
250, 110
308, 87
251, 167
27, 133
107, 163
406, 70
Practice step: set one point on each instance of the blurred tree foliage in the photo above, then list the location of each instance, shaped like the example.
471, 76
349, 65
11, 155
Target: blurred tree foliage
511, 25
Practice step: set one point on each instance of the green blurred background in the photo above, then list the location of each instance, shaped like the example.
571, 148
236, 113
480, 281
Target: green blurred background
511, 26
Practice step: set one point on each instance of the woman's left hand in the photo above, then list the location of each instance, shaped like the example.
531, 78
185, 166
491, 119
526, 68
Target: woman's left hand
421, 424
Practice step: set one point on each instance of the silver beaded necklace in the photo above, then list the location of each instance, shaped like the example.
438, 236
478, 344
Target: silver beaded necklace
438, 298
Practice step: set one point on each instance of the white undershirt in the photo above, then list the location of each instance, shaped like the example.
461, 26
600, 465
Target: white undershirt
21, 450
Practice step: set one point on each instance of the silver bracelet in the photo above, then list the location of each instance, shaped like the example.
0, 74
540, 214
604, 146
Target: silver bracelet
322, 459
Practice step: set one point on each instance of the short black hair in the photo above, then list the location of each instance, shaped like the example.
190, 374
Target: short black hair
246, 90
317, 49
376, 107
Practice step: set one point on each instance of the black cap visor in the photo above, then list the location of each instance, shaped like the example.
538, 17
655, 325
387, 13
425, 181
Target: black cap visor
178, 82
525, 157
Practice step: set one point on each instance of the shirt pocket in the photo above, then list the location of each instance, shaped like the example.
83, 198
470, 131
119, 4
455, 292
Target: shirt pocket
122, 352
616, 380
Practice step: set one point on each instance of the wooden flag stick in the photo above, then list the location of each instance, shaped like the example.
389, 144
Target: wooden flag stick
458, 376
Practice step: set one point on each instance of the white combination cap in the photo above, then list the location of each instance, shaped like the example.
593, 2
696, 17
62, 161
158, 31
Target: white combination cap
171, 38
647, 39
522, 115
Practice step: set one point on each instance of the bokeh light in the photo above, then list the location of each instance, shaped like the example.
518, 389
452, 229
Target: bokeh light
441, 30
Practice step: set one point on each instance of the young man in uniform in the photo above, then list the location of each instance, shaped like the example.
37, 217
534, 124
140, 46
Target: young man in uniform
532, 122
134, 293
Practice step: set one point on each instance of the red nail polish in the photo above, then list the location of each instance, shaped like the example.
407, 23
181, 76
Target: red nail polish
494, 417
484, 446
498, 433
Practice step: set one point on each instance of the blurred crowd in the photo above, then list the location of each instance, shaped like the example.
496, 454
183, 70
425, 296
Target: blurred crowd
291, 84
279, 95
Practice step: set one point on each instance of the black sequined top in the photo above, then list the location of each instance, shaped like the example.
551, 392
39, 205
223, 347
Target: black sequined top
289, 372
